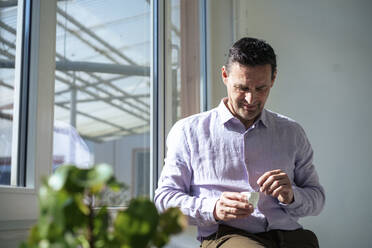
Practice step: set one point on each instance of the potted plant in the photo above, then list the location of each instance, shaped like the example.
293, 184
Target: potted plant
69, 219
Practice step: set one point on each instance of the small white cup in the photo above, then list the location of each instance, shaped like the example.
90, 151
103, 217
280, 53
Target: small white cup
252, 197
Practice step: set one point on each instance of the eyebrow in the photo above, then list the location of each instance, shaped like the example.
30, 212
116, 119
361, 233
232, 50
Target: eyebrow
244, 86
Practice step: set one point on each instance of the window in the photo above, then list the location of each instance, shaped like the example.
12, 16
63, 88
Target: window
14, 67
183, 60
93, 68
8, 26
31, 70
102, 86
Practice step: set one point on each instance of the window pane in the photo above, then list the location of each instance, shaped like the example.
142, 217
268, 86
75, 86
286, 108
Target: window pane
182, 60
8, 24
102, 88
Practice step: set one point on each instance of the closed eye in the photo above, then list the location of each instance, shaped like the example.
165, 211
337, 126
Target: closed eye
261, 88
242, 89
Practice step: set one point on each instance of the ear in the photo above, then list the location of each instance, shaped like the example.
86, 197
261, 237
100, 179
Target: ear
224, 74
273, 79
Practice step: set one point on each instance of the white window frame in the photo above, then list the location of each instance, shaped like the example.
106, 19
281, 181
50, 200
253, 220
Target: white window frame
157, 96
19, 205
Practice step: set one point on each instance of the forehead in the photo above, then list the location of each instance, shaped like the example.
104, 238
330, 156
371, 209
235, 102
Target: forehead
250, 73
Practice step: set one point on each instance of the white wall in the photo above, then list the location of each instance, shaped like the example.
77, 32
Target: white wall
324, 64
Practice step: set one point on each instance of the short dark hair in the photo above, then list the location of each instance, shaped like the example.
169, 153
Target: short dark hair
251, 52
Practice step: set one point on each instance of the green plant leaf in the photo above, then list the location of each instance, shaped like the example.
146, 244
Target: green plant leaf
65, 201
76, 213
160, 239
83, 241
58, 180
93, 179
52, 218
115, 185
79, 200
172, 221
33, 237
101, 225
65, 178
137, 225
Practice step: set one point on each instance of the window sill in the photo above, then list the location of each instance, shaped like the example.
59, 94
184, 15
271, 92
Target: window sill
16, 190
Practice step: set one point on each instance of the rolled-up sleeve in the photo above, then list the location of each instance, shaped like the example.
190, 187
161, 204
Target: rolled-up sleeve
175, 180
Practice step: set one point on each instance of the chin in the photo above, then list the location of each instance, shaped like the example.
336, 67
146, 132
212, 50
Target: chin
249, 115
248, 118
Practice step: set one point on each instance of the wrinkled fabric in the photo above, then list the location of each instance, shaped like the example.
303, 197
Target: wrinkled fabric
213, 152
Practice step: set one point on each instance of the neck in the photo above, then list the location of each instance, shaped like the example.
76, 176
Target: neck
248, 124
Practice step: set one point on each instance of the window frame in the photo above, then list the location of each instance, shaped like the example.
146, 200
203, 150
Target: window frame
18, 172
19, 208
157, 96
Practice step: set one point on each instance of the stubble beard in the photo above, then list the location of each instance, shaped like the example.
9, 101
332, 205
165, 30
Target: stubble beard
244, 115
249, 115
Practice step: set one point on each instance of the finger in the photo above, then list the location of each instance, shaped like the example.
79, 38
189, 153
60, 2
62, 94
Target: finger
233, 203
276, 184
237, 211
271, 179
227, 212
283, 190
279, 190
228, 216
232, 196
266, 175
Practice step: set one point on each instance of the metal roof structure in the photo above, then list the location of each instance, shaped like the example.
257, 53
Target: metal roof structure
102, 78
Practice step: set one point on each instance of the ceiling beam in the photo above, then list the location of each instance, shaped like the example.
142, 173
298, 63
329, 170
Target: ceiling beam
128, 70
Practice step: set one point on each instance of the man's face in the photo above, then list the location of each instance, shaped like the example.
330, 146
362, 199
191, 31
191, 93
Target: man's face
247, 89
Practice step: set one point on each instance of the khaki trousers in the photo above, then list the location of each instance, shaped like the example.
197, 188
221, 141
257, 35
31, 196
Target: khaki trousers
230, 237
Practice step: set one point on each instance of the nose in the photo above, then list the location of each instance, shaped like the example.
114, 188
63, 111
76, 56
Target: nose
249, 98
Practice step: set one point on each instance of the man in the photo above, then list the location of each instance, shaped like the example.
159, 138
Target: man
238, 147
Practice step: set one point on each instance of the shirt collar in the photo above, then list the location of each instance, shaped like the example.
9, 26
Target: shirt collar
225, 114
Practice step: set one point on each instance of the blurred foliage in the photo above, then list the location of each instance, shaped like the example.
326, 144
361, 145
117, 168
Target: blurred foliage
68, 218
109, 197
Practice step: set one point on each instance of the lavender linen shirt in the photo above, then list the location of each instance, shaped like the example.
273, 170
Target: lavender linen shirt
213, 152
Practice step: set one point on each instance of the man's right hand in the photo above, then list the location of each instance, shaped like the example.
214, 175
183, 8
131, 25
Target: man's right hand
231, 206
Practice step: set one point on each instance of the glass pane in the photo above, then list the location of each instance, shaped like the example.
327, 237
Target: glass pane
8, 25
102, 88
182, 60
172, 62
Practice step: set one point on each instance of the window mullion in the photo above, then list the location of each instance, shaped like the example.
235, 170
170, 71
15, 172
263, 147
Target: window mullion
17, 134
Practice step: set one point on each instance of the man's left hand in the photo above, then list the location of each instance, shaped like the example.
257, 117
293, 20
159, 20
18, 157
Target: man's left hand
276, 183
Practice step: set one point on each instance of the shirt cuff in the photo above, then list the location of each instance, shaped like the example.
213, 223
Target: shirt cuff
208, 210
297, 199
